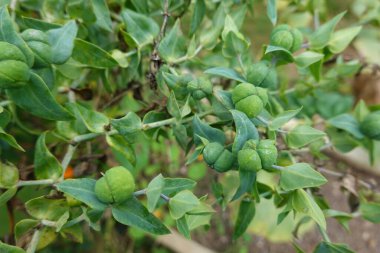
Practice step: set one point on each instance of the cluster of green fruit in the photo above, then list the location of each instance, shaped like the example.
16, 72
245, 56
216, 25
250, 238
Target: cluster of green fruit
286, 37
254, 156
14, 67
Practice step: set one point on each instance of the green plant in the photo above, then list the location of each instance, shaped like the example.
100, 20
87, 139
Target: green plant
84, 79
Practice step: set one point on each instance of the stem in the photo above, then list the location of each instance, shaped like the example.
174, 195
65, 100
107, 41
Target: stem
74, 221
164, 197
34, 242
67, 158
276, 167
241, 65
49, 223
139, 193
36, 182
324, 234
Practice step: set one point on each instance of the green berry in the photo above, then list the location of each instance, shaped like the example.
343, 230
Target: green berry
297, 39
224, 161
282, 38
249, 159
217, 157
261, 74
251, 106
370, 125
116, 186
268, 153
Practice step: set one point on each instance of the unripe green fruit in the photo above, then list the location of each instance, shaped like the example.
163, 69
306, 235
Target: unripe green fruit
282, 38
224, 162
262, 75
217, 157
268, 153
211, 152
251, 106
286, 37
200, 88
245, 97
38, 42
116, 186
9, 175
14, 72
297, 39
249, 159
370, 126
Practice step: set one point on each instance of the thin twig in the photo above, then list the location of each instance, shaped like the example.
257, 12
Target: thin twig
34, 242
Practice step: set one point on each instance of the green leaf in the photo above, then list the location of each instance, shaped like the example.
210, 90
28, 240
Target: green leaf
245, 130
128, 126
5, 248
43, 208
181, 203
7, 195
82, 190
141, 28
300, 175
203, 130
195, 221
342, 38
360, 111
94, 121
321, 37
91, 55
154, 191
348, 123
123, 150
272, 11
234, 45
304, 203
62, 41
173, 45
283, 118
227, 73
36, 99
302, 135
370, 211
9, 175
342, 217
182, 227
173, 106
9, 34
102, 13
175, 185
198, 14
10, 140
247, 181
307, 58
39, 24
279, 54
246, 213
328, 247
133, 213
45, 164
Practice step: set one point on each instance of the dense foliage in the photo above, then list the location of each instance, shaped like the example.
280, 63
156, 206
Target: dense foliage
106, 80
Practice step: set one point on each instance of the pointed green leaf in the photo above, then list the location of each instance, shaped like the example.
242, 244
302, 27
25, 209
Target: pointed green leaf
321, 37
300, 175
36, 99
133, 213
348, 123
198, 15
91, 55
7, 195
227, 73
304, 203
173, 46
328, 247
82, 190
272, 11
154, 191
182, 227
94, 121
302, 135
5, 248
62, 41
342, 38
205, 131
245, 130
307, 58
181, 203
45, 164
102, 13
46, 209
10, 140
370, 211
283, 118
246, 213
128, 126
